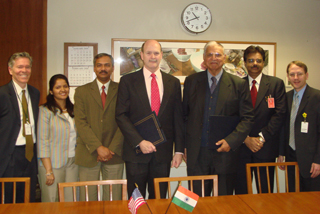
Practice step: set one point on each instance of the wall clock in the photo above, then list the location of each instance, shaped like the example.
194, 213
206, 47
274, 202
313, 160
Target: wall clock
196, 18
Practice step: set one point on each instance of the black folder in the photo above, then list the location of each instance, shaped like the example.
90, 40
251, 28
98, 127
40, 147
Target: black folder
149, 128
220, 128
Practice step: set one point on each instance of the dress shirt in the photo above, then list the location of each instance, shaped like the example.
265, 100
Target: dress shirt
147, 80
257, 79
21, 140
300, 93
218, 76
106, 85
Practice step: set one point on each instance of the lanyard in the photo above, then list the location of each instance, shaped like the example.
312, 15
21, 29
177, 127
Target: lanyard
25, 112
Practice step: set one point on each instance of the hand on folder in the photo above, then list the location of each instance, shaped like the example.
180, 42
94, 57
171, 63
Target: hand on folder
147, 147
224, 146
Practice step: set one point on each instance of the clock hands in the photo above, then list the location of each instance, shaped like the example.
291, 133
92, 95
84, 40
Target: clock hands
196, 17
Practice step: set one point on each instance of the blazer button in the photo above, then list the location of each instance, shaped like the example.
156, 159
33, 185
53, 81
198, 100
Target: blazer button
101, 121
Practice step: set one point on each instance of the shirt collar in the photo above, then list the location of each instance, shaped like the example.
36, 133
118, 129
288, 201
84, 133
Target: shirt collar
218, 76
105, 85
147, 73
301, 92
257, 79
18, 88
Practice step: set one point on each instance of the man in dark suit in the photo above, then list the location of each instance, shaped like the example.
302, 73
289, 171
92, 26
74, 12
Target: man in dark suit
140, 93
269, 103
302, 129
100, 141
18, 120
215, 92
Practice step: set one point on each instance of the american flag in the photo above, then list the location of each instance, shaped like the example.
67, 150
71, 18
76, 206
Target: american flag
136, 200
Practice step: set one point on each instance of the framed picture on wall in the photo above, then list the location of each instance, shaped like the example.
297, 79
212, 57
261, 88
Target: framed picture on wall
182, 58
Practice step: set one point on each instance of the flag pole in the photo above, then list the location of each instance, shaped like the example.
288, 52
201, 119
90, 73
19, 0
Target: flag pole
179, 184
144, 198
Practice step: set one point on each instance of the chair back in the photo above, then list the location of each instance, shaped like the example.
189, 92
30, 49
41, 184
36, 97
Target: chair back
250, 166
14, 181
201, 178
61, 187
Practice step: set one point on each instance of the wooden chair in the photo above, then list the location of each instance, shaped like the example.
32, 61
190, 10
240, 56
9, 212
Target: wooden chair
25, 180
123, 182
201, 178
267, 165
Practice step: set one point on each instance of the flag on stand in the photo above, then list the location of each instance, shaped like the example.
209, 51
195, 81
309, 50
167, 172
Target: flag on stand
185, 199
136, 200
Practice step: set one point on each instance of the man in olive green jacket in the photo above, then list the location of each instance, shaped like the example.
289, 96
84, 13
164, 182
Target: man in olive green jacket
100, 141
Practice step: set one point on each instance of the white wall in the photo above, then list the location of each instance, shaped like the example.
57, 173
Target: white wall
292, 24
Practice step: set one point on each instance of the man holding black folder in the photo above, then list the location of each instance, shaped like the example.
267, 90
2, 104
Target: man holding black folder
141, 93
269, 103
215, 97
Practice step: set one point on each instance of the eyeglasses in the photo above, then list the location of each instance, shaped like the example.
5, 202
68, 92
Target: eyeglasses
257, 60
294, 74
216, 55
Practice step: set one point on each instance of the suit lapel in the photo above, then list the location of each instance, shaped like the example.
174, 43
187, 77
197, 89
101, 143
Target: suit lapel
263, 88
94, 90
290, 98
304, 101
141, 90
224, 92
14, 101
167, 89
112, 91
201, 90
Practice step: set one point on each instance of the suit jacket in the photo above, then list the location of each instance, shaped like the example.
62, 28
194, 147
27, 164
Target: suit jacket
233, 100
96, 126
268, 120
133, 104
53, 137
307, 144
10, 122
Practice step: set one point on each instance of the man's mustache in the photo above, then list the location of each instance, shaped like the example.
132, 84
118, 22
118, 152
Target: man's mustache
103, 71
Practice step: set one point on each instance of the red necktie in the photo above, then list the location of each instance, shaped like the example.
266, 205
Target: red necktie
155, 95
253, 93
103, 96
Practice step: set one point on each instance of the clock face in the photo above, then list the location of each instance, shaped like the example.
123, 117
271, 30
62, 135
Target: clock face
196, 18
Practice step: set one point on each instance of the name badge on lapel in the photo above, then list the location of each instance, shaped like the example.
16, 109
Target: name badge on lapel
271, 103
304, 124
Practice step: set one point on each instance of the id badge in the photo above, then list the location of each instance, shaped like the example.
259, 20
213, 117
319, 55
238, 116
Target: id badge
27, 128
271, 102
304, 127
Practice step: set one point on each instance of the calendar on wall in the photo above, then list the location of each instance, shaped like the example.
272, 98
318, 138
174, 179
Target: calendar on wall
78, 62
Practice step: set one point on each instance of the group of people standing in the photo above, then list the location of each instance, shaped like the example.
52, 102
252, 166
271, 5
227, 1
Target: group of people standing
66, 143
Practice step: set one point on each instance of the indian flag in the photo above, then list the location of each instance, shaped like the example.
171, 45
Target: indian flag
185, 199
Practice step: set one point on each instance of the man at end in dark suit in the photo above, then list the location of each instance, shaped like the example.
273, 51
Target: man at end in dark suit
269, 103
215, 92
18, 117
302, 129
140, 93
100, 141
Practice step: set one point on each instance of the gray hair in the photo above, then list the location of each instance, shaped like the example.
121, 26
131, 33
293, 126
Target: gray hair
17, 56
212, 43
98, 56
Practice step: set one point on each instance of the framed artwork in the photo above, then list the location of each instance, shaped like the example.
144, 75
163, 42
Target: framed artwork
182, 58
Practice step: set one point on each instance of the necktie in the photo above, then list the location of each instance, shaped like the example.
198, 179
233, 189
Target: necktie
103, 96
213, 85
29, 140
253, 93
294, 110
155, 95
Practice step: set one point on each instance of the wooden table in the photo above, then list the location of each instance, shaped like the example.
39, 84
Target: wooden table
305, 202
302, 202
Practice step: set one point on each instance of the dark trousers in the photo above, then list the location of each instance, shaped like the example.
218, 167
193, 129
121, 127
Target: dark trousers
19, 166
205, 165
306, 184
143, 174
241, 181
